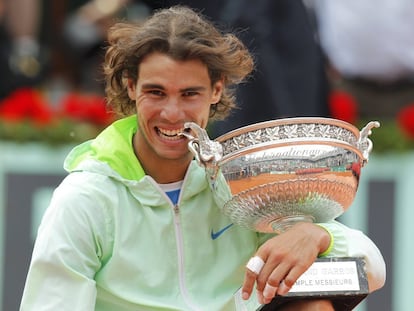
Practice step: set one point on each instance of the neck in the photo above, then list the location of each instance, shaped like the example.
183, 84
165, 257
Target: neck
162, 169
167, 171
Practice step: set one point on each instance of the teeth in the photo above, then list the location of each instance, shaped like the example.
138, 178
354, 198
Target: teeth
172, 134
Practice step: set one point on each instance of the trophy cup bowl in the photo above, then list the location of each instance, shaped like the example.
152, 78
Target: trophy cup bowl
285, 171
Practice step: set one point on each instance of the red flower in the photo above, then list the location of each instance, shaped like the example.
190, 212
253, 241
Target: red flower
343, 106
406, 120
86, 107
25, 104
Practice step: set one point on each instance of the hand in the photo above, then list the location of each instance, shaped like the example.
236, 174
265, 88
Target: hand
286, 257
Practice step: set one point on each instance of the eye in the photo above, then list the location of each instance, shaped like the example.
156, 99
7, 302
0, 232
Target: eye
156, 92
190, 93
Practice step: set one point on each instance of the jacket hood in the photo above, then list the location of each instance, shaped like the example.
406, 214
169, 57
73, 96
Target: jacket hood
110, 153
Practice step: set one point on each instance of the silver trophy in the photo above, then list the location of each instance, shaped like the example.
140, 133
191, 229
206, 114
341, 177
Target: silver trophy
286, 171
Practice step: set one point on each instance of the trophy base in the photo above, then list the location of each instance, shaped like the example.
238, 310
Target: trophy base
343, 281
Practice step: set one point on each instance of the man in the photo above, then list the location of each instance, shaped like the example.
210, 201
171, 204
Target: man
289, 78
134, 226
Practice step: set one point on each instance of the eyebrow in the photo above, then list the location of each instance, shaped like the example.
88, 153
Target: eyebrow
193, 89
159, 86
151, 86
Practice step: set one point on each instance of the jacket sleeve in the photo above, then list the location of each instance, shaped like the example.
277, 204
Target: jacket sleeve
347, 242
67, 253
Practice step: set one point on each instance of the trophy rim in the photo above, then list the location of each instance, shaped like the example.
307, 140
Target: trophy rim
292, 142
289, 121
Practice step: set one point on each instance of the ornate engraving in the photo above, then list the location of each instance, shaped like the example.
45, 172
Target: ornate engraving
286, 132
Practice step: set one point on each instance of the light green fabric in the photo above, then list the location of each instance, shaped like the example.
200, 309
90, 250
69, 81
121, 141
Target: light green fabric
114, 147
112, 241
112, 236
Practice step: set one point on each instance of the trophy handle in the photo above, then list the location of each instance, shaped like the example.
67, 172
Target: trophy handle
207, 153
364, 143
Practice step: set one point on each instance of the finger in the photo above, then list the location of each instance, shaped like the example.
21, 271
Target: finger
274, 280
248, 284
283, 288
289, 280
277, 274
255, 264
269, 292
253, 268
260, 297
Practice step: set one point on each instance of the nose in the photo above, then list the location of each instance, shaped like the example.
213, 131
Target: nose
172, 111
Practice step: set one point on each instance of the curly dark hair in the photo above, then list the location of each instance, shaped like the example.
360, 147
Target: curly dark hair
183, 34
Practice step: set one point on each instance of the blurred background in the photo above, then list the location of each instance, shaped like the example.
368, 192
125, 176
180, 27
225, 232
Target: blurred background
347, 59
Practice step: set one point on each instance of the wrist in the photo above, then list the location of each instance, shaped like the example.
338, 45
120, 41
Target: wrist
327, 241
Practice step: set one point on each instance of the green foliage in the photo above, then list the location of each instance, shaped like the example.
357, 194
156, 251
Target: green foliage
389, 138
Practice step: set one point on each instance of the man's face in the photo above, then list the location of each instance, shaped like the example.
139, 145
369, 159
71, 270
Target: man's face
169, 93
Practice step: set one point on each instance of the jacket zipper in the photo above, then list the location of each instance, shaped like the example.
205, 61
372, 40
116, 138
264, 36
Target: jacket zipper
180, 252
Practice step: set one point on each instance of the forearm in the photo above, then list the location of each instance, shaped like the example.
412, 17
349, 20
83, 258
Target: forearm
349, 242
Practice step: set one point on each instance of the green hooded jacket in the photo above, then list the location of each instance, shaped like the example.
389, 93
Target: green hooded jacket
111, 240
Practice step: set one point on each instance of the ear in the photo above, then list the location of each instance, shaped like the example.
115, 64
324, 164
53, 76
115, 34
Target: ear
217, 91
131, 86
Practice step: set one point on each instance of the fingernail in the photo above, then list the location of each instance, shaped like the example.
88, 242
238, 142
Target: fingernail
283, 289
269, 291
260, 297
245, 295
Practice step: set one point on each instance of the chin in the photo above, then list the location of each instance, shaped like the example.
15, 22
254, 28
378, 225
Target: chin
174, 154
